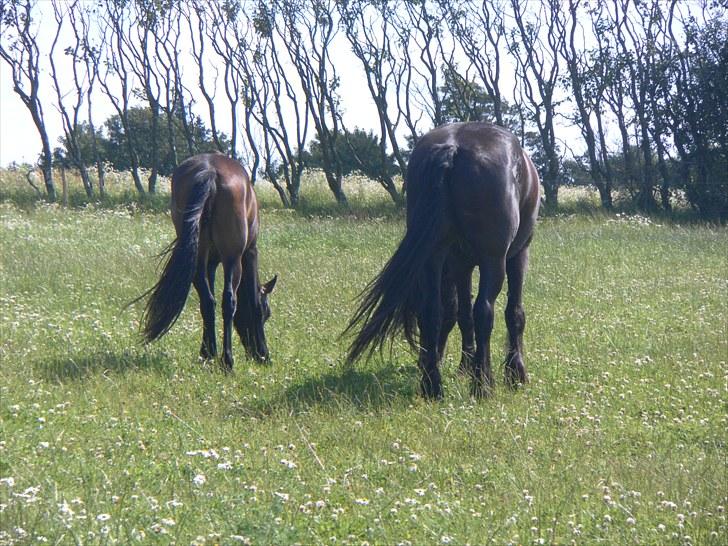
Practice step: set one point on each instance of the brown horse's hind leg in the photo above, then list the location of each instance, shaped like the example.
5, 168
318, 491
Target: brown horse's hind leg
515, 369
492, 275
233, 272
204, 283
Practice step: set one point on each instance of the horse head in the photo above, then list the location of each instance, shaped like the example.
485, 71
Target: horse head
250, 321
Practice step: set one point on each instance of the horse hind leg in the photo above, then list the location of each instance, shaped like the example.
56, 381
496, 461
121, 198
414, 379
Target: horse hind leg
233, 270
515, 369
465, 320
492, 275
429, 321
204, 282
449, 312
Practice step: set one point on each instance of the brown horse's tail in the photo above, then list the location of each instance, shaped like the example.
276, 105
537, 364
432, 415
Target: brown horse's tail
390, 302
167, 297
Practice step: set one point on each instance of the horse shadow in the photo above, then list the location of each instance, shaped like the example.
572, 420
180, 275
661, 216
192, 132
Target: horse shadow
80, 366
363, 389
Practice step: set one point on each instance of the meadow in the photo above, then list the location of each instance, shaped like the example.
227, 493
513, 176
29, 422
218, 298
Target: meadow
620, 437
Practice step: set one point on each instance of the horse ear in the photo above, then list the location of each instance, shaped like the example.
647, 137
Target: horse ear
268, 287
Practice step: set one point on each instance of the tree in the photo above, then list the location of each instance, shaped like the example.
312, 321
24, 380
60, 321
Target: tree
534, 44
368, 26
117, 77
71, 122
699, 114
308, 30
19, 49
579, 71
277, 108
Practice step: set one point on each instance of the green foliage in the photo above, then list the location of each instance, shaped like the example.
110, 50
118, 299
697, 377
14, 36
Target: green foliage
619, 438
358, 151
112, 146
140, 126
707, 130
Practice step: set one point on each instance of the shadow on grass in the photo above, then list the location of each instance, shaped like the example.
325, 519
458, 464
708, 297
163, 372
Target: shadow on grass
79, 367
349, 387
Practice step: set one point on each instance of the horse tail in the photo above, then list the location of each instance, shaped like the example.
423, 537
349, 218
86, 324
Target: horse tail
390, 302
167, 297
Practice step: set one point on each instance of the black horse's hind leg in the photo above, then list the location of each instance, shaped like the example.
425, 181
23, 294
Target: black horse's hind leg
515, 369
233, 272
465, 319
204, 283
429, 321
492, 275
449, 308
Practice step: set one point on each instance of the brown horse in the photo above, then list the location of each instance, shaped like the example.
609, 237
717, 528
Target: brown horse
215, 215
472, 200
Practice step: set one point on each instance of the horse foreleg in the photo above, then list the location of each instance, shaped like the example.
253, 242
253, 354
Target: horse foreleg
515, 369
233, 270
492, 275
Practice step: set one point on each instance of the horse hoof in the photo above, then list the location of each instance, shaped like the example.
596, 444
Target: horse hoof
515, 374
465, 369
482, 388
431, 392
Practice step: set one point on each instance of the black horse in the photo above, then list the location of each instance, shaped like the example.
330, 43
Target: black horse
215, 215
472, 200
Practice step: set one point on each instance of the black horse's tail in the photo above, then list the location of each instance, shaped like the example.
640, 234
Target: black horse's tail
390, 302
167, 297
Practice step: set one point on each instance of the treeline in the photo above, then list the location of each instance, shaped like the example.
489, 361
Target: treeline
644, 81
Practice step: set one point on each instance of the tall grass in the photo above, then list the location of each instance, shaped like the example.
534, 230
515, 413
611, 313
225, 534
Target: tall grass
619, 438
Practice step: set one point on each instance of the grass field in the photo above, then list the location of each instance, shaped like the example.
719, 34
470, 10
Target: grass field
620, 437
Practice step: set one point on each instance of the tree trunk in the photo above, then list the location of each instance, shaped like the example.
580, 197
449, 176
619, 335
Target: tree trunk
83, 171
335, 187
551, 194
64, 187
47, 165
605, 196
